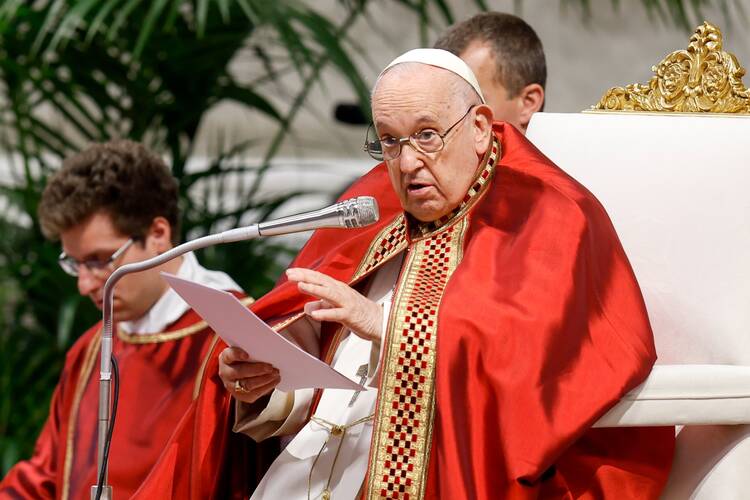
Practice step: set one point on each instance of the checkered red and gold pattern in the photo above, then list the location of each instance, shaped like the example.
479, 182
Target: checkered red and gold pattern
390, 241
402, 434
402, 437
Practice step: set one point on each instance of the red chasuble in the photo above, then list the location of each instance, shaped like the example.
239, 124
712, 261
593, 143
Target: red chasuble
516, 323
158, 382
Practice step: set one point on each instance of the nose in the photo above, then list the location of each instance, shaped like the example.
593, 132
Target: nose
410, 159
87, 282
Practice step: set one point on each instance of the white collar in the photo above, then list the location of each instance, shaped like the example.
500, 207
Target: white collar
170, 307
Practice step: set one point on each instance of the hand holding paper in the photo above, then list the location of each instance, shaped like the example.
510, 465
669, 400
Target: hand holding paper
240, 327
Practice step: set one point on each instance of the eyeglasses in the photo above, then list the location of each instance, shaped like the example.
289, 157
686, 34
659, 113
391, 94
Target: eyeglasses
98, 268
426, 140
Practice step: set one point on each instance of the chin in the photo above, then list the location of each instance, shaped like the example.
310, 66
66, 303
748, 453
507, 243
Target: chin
427, 213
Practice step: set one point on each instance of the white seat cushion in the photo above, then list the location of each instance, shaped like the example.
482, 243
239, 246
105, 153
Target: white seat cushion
685, 395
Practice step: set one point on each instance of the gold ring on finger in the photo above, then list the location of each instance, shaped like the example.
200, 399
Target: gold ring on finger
239, 388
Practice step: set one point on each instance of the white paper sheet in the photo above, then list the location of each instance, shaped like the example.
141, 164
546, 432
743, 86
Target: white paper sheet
240, 327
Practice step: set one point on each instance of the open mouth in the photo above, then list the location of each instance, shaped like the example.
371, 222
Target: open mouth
417, 188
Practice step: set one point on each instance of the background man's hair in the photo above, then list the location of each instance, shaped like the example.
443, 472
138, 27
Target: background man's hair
120, 178
518, 51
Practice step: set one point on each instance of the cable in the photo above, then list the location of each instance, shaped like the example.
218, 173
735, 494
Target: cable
105, 459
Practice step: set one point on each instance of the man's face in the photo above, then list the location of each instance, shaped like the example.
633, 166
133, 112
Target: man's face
480, 58
97, 239
406, 101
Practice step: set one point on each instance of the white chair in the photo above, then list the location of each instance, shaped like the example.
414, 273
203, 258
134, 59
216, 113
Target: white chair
677, 189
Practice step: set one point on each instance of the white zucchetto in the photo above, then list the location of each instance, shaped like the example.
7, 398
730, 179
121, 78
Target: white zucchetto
441, 59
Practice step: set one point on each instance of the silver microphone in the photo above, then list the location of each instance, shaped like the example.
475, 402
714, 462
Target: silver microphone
354, 212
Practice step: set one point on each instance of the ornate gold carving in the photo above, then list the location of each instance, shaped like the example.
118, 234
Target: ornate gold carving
702, 79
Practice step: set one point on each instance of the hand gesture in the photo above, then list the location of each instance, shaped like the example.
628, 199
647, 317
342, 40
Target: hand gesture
339, 302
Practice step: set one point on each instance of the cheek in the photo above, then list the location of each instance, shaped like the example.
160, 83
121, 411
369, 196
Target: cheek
456, 175
128, 286
136, 287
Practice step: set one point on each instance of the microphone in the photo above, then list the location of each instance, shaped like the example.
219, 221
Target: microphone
352, 213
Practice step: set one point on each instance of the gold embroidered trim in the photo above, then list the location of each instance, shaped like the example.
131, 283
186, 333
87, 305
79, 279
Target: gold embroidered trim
390, 241
202, 369
402, 434
283, 324
155, 338
83, 377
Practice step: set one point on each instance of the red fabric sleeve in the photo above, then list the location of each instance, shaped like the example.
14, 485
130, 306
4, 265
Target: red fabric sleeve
37, 477
614, 463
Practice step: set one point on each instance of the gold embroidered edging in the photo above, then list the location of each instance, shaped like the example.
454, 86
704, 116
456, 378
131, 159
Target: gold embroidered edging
402, 434
389, 242
83, 377
202, 369
283, 324
155, 338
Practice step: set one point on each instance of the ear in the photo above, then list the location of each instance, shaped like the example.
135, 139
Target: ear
482, 128
531, 100
159, 236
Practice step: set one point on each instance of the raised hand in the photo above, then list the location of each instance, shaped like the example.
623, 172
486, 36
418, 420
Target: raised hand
339, 302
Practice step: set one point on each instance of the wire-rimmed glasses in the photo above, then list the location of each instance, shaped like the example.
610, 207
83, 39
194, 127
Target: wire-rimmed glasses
98, 268
426, 140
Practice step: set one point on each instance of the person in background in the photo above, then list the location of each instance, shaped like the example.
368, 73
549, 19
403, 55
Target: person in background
109, 205
507, 58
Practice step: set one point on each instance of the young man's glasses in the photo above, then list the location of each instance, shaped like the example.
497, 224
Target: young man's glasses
98, 268
426, 140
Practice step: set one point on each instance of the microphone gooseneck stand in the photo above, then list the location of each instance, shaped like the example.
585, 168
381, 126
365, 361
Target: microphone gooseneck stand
355, 212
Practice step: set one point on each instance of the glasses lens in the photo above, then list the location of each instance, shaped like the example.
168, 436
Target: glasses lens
428, 141
99, 269
69, 265
372, 144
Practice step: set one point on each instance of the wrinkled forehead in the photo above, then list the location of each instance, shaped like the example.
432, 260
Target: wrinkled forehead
415, 87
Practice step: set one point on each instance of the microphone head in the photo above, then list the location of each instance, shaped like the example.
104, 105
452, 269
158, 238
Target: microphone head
359, 212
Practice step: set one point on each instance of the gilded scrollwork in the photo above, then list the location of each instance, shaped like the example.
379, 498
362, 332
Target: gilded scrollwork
703, 78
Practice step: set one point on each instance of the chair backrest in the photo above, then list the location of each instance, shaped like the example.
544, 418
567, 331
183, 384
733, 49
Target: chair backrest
676, 188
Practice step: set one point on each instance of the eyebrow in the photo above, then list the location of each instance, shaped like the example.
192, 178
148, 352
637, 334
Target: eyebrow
93, 254
421, 119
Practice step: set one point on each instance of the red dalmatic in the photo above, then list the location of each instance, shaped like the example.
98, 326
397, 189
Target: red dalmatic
516, 323
158, 378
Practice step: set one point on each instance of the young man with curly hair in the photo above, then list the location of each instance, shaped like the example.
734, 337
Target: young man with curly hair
113, 204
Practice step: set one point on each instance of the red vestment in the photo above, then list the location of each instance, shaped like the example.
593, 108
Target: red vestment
158, 377
540, 328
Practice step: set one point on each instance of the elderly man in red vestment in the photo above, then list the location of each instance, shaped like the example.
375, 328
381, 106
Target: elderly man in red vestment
112, 204
491, 312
